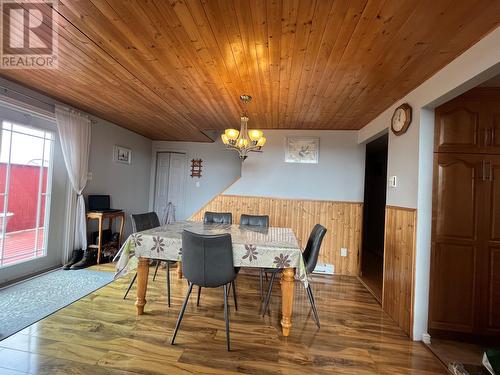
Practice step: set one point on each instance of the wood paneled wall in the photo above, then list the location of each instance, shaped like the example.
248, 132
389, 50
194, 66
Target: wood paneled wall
399, 265
343, 221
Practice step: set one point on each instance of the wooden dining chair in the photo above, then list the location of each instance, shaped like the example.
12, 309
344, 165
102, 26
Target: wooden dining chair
207, 261
141, 222
310, 254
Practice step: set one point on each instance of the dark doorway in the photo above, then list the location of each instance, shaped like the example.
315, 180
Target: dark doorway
372, 254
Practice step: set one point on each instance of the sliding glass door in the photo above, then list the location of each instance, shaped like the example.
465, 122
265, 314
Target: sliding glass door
26, 163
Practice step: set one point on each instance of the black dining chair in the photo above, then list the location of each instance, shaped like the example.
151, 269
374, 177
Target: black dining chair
260, 221
218, 217
141, 222
207, 261
310, 254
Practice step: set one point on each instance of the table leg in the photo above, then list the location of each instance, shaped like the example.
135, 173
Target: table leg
287, 285
142, 284
99, 243
179, 269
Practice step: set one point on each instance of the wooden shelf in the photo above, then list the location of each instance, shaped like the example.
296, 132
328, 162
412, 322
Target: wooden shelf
111, 216
107, 244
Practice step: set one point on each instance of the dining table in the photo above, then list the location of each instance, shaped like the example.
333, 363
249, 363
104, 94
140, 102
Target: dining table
254, 247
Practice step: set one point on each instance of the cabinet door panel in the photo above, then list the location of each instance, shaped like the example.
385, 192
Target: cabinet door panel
457, 128
453, 287
490, 255
455, 198
456, 242
493, 309
492, 209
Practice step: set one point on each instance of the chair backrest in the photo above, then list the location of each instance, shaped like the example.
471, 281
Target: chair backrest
207, 260
313, 246
145, 221
218, 217
255, 220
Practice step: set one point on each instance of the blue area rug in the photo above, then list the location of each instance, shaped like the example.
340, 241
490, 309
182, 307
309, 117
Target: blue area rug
29, 301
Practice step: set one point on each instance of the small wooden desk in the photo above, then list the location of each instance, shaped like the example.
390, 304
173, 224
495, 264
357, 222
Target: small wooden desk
111, 216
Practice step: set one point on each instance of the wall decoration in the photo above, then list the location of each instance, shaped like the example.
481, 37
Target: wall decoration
302, 150
122, 154
196, 167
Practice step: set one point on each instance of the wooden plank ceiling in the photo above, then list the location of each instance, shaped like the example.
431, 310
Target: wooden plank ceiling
168, 69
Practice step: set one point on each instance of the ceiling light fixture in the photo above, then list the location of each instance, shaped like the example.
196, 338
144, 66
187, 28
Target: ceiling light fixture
244, 140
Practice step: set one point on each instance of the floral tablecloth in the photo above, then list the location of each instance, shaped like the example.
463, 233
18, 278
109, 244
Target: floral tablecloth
252, 247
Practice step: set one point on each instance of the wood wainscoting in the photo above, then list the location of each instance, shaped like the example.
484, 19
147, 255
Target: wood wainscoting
343, 221
399, 265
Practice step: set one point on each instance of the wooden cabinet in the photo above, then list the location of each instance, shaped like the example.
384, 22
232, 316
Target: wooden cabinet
470, 123
465, 259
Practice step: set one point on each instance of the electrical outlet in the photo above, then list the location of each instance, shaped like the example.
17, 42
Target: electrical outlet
197, 184
343, 252
89, 176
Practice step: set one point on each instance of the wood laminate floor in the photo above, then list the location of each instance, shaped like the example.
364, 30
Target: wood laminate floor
100, 334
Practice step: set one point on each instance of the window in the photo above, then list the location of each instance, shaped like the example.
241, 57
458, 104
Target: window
25, 182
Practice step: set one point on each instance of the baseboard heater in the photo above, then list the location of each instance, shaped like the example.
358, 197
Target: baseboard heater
324, 269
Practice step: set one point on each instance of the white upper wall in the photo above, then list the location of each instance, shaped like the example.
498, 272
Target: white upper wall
339, 176
127, 184
221, 168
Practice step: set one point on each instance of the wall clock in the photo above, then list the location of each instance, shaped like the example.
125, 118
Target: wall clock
401, 119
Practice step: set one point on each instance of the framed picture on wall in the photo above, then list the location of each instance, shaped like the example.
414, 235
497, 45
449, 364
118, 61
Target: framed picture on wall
302, 150
122, 154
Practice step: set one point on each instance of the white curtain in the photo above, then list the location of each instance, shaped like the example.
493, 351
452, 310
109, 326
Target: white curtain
74, 132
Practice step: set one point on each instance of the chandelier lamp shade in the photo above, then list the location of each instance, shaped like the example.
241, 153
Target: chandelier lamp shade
244, 140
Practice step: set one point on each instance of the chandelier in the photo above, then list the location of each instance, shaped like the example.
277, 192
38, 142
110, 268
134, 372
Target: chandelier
244, 140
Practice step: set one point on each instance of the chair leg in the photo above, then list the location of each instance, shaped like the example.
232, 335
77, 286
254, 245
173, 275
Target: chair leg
313, 305
199, 295
268, 296
226, 317
234, 295
156, 269
130, 286
181, 313
168, 283
315, 308
261, 284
